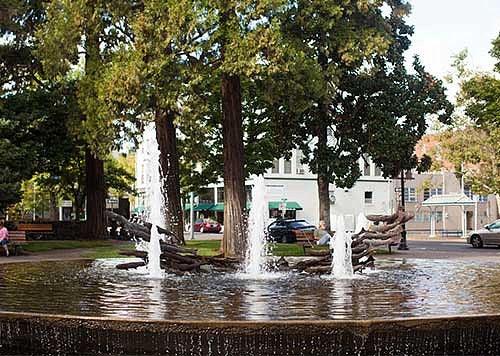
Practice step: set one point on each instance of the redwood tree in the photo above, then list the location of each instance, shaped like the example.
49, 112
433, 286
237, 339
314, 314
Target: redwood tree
92, 29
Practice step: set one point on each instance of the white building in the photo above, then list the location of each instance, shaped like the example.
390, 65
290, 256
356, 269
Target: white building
291, 183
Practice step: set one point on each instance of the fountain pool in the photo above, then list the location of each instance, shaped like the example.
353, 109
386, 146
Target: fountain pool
402, 307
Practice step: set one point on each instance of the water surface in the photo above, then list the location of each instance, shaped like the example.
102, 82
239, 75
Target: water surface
395, 289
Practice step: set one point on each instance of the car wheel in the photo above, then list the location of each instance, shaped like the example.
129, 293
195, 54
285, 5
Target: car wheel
476, 241
202, 230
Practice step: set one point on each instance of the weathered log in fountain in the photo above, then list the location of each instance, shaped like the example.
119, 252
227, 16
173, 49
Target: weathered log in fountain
385, 230
173, 258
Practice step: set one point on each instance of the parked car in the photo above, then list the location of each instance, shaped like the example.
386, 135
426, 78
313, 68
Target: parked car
489, 235
285, 230
207, 225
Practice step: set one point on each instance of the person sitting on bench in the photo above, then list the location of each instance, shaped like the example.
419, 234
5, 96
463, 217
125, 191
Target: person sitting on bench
322, 234
4, 237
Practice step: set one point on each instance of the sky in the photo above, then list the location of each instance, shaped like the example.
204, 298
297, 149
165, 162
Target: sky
445, 27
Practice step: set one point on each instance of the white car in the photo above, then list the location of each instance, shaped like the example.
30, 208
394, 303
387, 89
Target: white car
489, 235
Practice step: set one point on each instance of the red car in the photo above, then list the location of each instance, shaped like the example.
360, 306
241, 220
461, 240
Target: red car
207, 225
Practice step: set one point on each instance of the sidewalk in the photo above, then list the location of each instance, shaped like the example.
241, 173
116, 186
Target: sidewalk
437, 238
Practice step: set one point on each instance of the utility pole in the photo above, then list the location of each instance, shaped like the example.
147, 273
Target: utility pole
191, 216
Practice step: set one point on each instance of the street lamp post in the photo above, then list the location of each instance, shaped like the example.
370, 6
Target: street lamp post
403, 245
191, 215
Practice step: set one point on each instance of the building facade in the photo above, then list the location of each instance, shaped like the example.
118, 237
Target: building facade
448, 219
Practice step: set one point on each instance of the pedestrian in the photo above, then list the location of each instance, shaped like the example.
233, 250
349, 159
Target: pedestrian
321, 234
4, 237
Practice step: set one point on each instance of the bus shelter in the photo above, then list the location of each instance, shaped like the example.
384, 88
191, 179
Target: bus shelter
443, 200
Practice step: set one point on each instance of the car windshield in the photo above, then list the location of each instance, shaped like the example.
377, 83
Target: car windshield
495, 225
299, 224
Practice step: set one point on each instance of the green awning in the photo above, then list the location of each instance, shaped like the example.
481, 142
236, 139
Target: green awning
199, 207
290, 205
218, 207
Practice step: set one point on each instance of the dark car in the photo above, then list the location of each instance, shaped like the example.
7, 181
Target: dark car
285, 230
207, 225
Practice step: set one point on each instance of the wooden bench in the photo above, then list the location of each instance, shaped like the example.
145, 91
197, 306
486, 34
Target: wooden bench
36, 231
306, 239
391, 245
16, 240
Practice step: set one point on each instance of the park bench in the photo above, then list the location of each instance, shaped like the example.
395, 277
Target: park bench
306, 239
392, 245
36, 231
16, 240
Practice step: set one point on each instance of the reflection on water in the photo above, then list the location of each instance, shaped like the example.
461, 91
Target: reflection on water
395, 289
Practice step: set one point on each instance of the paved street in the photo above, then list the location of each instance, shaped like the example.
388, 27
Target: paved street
419, 247
445, 248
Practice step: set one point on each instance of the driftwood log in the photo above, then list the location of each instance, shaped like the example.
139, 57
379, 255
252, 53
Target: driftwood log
386, 230
136, 230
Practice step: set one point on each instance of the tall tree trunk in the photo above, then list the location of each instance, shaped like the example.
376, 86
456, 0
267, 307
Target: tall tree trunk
234, 239
96, 195
169, 164
322, 179
322, 160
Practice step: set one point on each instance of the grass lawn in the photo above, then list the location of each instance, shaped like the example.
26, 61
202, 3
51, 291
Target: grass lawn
41, 246
106, 249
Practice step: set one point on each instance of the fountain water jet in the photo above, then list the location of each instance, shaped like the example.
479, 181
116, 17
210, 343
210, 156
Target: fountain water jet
342, 253
255, 256
361, 223
156, 204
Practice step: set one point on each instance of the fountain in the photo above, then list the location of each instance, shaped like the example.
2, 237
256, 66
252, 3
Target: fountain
255, 256
156, 204
342, 253
404, 307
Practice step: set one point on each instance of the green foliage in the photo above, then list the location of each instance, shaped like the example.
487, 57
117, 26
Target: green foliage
472, 144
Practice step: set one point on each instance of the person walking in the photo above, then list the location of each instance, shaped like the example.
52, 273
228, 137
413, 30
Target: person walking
4, 237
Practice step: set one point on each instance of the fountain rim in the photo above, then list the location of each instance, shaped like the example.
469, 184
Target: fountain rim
217, 323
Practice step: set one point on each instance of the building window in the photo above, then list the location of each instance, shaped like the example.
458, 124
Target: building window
425, 217
431, 192
288, 166
378, 171
276, 166
366, 166
298, 158
482, 198
248, 192
368, 197
220, 194
410, 195
206, 196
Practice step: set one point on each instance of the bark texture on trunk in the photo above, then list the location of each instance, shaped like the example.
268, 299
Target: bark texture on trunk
96, 195
169, 165
323, 183
234, 239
